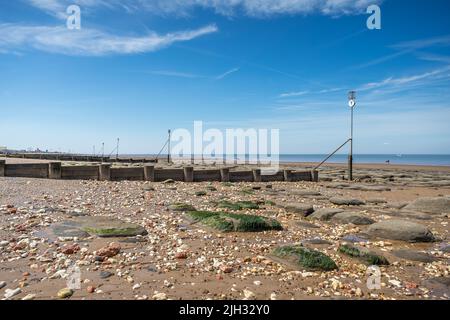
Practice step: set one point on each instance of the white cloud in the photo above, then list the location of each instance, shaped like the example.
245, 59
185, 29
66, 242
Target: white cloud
293, 94
89, 42
252, 8
227, 73
403, 81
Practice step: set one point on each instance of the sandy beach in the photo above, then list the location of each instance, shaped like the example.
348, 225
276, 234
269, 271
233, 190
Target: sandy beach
177, 258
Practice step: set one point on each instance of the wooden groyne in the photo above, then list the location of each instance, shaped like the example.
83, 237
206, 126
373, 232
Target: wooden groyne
79, 158
148, 172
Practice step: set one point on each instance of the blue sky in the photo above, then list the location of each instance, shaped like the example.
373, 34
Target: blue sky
137, 68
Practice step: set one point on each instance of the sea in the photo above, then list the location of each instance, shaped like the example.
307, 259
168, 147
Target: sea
407, 159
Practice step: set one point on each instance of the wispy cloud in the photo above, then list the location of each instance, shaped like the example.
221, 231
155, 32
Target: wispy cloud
402, 81
293, 94
227, 73
251, 8
176, 74
89, 42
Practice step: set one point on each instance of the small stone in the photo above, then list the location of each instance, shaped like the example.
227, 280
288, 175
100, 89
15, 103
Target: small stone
90, 289
181, 255
159, 296
249, 294
65, 293
29, 297
359, 292
273, 296
105, 274
2, 284
110, 251
9, 293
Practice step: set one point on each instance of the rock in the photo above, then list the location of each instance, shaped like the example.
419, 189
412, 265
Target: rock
439, 205
354, 238
306, 225
71, 249
65, 293
159, 296
368, 257
181, 207
29, 297
200, 193
304, 258
168, 181
66, 229
2, 284
181, 255
90, 289
105, 274
308, 193
376, 201
325, 214
346, 201
414, 255
401, 230
302, 209
9, 293
444, 247
229, 222
110, 251
249, 295
316, 241
353, 217
105, 227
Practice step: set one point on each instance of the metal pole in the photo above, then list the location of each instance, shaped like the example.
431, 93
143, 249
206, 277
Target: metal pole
168, 148
103, 150
350, 157
117, 149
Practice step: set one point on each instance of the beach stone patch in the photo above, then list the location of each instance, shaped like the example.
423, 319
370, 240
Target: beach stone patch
401, 230
368, 257
346, 201
414, 255
230, 222
302, 209
325, 214
437, 205
355, 218
304, 258
181, 207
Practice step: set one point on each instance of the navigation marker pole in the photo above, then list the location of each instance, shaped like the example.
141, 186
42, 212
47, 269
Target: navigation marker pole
168, 146
351, 104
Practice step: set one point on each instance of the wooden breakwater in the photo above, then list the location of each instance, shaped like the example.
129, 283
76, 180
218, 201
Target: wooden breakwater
148, 172
79, 158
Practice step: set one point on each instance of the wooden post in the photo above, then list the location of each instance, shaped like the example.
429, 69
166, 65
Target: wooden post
2, 168
287, 175
225, 175
315, 176
256, 175
188, 174
54, 170
104, 172
149, 172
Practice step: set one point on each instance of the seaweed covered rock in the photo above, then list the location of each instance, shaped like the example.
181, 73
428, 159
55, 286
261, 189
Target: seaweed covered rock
366, 256
230, 222
438, 205
304, 258
240, 205
181, 207
106, 227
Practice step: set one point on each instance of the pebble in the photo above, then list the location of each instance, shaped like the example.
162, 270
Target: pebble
65, 293
9, 293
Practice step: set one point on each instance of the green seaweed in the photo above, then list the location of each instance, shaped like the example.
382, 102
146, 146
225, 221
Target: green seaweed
114, 232
240, 205
227, 222
369, 258
306, 258
181, 207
